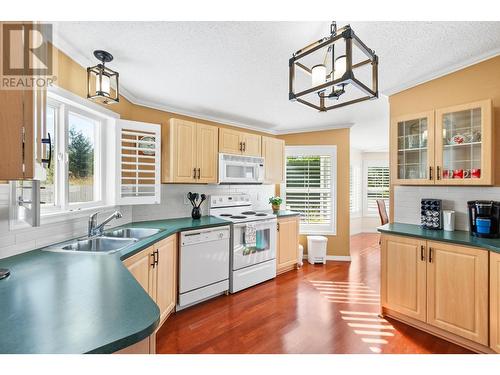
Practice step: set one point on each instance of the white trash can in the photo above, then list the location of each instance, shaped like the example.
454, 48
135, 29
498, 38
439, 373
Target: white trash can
316, 249
300, 256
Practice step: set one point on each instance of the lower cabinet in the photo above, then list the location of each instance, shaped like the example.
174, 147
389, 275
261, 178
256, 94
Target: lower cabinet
495, 302
441, 285
155, 269
403, 282
287, 244
457, 290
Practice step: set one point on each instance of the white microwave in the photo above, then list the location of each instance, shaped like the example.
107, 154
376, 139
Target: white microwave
239, 169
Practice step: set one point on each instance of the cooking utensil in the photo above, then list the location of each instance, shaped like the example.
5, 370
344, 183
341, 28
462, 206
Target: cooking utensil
203, 197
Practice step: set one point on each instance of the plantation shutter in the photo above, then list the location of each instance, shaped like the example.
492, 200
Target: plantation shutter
377, 187
309, 189
139, 153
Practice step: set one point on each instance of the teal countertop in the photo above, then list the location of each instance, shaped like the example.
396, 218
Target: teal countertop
56, 302
283, 213
458, 236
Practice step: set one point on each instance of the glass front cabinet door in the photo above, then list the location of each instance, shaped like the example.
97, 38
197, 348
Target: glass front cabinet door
413, 149
464, 142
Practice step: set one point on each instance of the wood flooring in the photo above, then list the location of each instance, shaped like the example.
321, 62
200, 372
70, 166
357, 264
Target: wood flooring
330, 308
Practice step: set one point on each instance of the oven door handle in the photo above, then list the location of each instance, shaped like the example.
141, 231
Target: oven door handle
259, 224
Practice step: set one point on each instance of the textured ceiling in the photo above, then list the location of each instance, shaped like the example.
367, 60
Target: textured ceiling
237, 71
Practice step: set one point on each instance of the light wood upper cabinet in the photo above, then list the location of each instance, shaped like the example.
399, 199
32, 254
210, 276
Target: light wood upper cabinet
403, 276
189, 152
495, 302
287, 243
166, 276
446, 146
273, 151
412, 145
240, 143
252, 144
207, 150
464, 140
155, 269
457, 290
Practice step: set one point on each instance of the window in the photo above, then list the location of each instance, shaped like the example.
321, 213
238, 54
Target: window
310, 186
376, 185
355, 187
73, 180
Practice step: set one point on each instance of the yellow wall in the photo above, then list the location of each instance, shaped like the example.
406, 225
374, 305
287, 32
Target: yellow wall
338, 244
474, 83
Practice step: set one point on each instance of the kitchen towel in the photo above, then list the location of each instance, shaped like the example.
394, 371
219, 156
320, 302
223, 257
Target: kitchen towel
250, 235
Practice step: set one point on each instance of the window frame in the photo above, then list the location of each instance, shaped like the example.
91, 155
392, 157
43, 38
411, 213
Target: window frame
63, 107
377, 164
329, 150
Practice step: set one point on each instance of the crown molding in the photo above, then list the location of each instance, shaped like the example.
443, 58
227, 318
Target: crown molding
443, 72
315, 129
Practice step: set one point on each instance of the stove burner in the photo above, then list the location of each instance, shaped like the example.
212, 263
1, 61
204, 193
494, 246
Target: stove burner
226, 214
238, 217
261, 214
248, 213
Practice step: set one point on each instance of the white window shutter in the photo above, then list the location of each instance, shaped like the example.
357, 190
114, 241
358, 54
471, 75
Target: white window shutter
138, 149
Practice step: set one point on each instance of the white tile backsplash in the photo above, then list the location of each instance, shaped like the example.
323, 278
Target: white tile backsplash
173, 202
172, 205
407, 201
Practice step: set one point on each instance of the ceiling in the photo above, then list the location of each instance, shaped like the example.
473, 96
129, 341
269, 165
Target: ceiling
237, 72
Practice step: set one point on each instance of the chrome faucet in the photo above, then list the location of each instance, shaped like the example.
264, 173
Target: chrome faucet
96, 230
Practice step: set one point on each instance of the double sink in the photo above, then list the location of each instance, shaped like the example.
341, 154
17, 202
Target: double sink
109, 242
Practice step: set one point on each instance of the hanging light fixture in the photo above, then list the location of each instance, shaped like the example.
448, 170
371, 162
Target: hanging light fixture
331, 78
102, 82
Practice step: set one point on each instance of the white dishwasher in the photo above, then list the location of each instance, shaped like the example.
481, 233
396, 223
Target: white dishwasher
203, 265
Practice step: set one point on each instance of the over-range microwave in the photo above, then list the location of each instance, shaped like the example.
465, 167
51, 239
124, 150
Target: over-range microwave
239, 169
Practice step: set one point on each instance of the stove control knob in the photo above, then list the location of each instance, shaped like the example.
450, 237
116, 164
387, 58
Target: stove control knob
221, 234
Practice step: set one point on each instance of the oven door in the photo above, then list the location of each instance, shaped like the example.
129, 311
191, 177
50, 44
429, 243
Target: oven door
262, 250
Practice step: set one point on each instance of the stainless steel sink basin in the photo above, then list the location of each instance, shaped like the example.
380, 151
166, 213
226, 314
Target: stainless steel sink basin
138, 233
99, 244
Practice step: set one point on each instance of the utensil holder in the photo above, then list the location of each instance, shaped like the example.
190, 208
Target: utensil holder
196, 213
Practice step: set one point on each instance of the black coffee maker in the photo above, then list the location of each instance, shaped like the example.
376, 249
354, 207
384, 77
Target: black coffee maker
484, 218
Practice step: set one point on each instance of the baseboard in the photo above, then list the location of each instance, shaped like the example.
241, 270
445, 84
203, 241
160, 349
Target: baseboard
339, 258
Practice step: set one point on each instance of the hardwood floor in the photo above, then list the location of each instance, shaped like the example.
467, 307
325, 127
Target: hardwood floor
330, 308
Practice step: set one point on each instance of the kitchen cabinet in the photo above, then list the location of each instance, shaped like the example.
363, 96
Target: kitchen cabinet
412, 145
189, 152
403, 284
495, 302
443, 286
273, 152
464, 143
287, 244
240, 143
445, 146
155, 269
166, 276
457, 290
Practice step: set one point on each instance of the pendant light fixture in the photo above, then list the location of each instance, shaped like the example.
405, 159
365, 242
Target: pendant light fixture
333, 78
102, 82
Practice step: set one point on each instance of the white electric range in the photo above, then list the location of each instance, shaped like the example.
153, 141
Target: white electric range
252, 261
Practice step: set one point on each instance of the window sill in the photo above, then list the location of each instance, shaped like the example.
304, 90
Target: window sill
309, 233
57, 216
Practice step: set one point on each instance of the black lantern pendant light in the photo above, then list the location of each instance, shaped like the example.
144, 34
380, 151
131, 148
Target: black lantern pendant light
332, 78
102, 82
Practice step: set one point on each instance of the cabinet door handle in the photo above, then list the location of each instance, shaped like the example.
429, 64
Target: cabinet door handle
154, 259
194, 173
430, 173
157, 256
241, 146
430, 254
278, 227
244, 146
47, 141
438, 172
422, 253
199, 173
